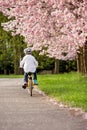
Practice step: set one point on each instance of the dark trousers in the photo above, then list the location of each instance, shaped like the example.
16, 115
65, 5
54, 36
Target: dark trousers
26, 76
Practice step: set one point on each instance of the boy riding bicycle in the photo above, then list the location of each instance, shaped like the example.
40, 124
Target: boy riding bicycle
29, 64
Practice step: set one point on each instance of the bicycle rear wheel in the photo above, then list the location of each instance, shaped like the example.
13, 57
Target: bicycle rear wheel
30, 85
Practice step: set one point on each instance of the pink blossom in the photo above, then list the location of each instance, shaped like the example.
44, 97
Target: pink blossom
57, 24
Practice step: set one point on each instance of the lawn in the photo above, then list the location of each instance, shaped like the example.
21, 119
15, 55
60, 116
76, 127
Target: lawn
11, 76
68, 88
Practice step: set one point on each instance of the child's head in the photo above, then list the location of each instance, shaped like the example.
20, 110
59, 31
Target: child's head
27, 51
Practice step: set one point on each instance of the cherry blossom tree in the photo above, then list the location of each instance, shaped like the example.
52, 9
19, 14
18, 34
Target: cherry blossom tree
55, 27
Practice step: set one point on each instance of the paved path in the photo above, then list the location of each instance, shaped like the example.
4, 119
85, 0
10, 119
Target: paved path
19, 111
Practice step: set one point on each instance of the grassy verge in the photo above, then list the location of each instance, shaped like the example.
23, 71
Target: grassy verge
11, 76
70, 88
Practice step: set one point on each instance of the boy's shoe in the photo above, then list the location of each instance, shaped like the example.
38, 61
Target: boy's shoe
35, 82
24, 85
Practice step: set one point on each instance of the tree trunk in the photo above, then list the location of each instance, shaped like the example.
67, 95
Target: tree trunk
85, 58
56, 69
82, 60
78, 63
79, 60
16, 60
5, 71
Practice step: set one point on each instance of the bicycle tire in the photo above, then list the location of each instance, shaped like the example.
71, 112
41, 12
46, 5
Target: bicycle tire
30, 85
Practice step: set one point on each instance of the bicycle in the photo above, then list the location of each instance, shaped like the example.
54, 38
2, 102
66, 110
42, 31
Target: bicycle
30, 83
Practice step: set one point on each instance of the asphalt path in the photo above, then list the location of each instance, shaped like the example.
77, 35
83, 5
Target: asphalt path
19, 111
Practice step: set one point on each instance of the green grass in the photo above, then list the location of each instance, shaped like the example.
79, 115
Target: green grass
11, 76
69, 88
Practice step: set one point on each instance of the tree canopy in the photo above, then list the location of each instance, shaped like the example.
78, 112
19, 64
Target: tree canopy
58, 25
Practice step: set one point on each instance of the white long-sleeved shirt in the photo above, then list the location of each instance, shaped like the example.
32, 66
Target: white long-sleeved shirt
29, 64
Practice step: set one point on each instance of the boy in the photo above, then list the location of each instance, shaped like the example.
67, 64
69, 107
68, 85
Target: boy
29, 64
